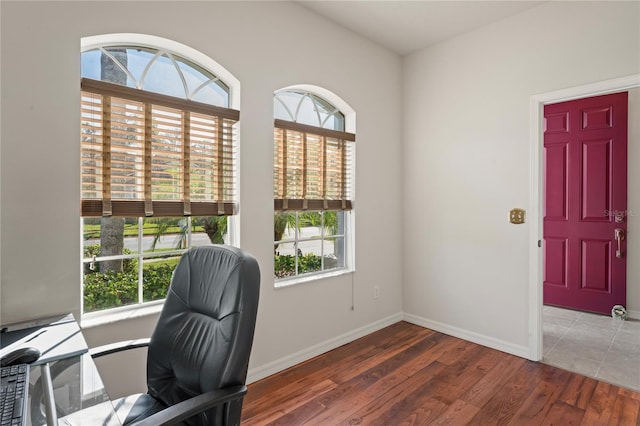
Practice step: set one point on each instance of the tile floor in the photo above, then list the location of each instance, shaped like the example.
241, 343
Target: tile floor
593, 345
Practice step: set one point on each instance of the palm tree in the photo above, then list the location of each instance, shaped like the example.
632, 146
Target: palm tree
112, 228
315, 219
163, 224
214, 226
282, 221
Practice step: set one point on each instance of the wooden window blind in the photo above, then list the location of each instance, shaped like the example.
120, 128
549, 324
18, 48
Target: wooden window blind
147, 154
312, 167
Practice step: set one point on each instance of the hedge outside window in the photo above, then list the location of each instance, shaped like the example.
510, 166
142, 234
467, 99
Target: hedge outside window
313, 177
157, 171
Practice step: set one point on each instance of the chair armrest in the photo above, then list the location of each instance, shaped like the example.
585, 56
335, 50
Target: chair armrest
118, 347
185, 409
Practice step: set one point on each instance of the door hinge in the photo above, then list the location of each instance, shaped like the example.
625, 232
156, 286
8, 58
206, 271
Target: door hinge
539, 243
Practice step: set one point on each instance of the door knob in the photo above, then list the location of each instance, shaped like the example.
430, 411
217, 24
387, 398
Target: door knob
619, 236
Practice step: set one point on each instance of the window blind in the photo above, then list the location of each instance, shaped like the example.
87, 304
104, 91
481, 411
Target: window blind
147, 154
312, 167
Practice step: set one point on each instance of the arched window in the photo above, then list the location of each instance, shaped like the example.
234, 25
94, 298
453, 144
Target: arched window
158, 172
154, 70
313, 186
303, 107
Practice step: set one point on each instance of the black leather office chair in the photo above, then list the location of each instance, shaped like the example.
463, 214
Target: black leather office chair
199, 351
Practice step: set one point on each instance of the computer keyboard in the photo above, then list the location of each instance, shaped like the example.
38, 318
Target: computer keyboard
14, 394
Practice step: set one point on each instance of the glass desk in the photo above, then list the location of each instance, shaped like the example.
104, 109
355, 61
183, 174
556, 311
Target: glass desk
65, 387
79, 396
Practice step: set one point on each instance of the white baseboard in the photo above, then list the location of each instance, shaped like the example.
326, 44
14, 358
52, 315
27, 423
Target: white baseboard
633, 314
501, 345
273, 367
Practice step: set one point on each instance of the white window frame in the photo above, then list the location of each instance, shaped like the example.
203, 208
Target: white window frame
349, 216
233, 222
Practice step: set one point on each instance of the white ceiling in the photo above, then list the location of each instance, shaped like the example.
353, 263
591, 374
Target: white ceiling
407, 26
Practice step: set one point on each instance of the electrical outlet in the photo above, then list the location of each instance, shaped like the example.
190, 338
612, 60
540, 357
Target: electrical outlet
376, 291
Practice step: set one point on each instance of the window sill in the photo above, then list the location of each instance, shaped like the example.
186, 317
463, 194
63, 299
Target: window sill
96, 319
288, 282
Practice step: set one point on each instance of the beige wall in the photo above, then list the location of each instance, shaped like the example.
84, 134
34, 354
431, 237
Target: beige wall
462, 108
266, 46
467, 160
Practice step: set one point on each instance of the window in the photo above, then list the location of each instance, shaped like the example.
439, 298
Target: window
158, 169
313, 186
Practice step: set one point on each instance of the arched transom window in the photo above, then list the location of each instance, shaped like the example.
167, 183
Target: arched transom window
307, 108
158, 71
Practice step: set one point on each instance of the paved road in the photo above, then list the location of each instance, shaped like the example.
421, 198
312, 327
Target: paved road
200, 239
165, 242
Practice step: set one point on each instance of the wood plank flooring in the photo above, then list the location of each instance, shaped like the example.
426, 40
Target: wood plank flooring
408, 375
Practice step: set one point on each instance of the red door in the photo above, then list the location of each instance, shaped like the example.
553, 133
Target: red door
585, 214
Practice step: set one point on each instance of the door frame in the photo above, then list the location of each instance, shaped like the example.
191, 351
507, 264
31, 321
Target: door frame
536, 189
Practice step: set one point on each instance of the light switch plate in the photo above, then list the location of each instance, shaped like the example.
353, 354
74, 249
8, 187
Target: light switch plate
516, 216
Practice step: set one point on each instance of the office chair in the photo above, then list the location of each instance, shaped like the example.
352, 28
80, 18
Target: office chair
198, 354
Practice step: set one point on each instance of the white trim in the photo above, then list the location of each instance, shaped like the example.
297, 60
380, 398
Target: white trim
306, 278
536, 194
591, 89
109, 316
258, 373
480, 339
633, 315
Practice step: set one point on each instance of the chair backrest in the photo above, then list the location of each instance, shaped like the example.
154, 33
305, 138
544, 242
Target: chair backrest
203, 338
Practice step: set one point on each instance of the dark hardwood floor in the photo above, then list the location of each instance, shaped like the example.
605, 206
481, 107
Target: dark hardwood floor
408, 375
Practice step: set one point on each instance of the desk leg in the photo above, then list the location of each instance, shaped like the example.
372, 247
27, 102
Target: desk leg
47, 391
